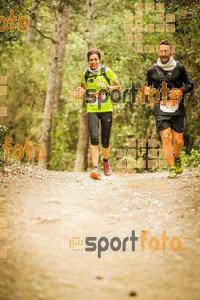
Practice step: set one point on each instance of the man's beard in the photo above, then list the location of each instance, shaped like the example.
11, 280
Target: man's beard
165, 61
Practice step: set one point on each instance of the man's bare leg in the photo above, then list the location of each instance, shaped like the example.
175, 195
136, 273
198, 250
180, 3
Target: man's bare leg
177, 143
166, 136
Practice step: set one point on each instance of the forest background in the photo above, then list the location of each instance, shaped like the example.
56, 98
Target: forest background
45, 64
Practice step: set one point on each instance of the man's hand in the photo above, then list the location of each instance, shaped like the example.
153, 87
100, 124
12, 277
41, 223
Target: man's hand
147, 90
176, 95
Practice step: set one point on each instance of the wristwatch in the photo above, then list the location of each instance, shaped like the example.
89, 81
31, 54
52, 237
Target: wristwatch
107, 87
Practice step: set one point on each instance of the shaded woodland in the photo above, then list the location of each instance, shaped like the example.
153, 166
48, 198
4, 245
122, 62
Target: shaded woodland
44, 64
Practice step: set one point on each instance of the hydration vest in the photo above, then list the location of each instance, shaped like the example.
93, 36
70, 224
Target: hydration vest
103, 73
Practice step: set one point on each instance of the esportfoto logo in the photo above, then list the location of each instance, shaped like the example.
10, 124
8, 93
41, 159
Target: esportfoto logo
138, 29
22, 24
139, 155
116, 244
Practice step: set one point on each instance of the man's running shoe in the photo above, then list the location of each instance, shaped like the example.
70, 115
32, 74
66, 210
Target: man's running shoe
172, 173
178, 165
107, 168
95, 174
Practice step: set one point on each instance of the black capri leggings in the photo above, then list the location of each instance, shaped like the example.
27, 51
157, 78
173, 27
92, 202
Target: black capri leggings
106, 125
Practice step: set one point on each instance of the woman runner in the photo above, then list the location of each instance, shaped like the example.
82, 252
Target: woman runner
96, 79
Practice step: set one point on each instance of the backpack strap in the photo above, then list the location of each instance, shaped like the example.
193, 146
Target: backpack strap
87, 73
103, 73
166, 78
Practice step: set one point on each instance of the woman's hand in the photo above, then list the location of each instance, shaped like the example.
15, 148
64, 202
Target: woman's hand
80, 90
102, 85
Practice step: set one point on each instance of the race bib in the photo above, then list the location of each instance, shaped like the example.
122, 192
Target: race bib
169, 106
97, 98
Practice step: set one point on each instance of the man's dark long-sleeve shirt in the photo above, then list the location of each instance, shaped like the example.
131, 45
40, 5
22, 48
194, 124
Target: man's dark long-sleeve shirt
178, 77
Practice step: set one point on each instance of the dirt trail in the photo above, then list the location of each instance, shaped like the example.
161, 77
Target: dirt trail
46, 209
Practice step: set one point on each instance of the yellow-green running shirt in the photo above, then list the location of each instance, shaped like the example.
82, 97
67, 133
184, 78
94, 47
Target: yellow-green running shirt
93, 106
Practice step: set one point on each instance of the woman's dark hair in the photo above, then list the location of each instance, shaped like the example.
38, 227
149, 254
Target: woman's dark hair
166, 42
93, 51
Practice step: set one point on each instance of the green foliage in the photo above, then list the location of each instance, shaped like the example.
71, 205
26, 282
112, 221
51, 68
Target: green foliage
192, 159
3, 130
27, 70
8, 38
64, 141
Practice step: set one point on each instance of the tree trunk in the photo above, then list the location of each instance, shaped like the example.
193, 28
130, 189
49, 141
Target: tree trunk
83, 140
90, 16
60, 35
83, 143
55, 76
33, 23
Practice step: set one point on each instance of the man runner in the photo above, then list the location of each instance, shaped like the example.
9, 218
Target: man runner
170, 113
96, 79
